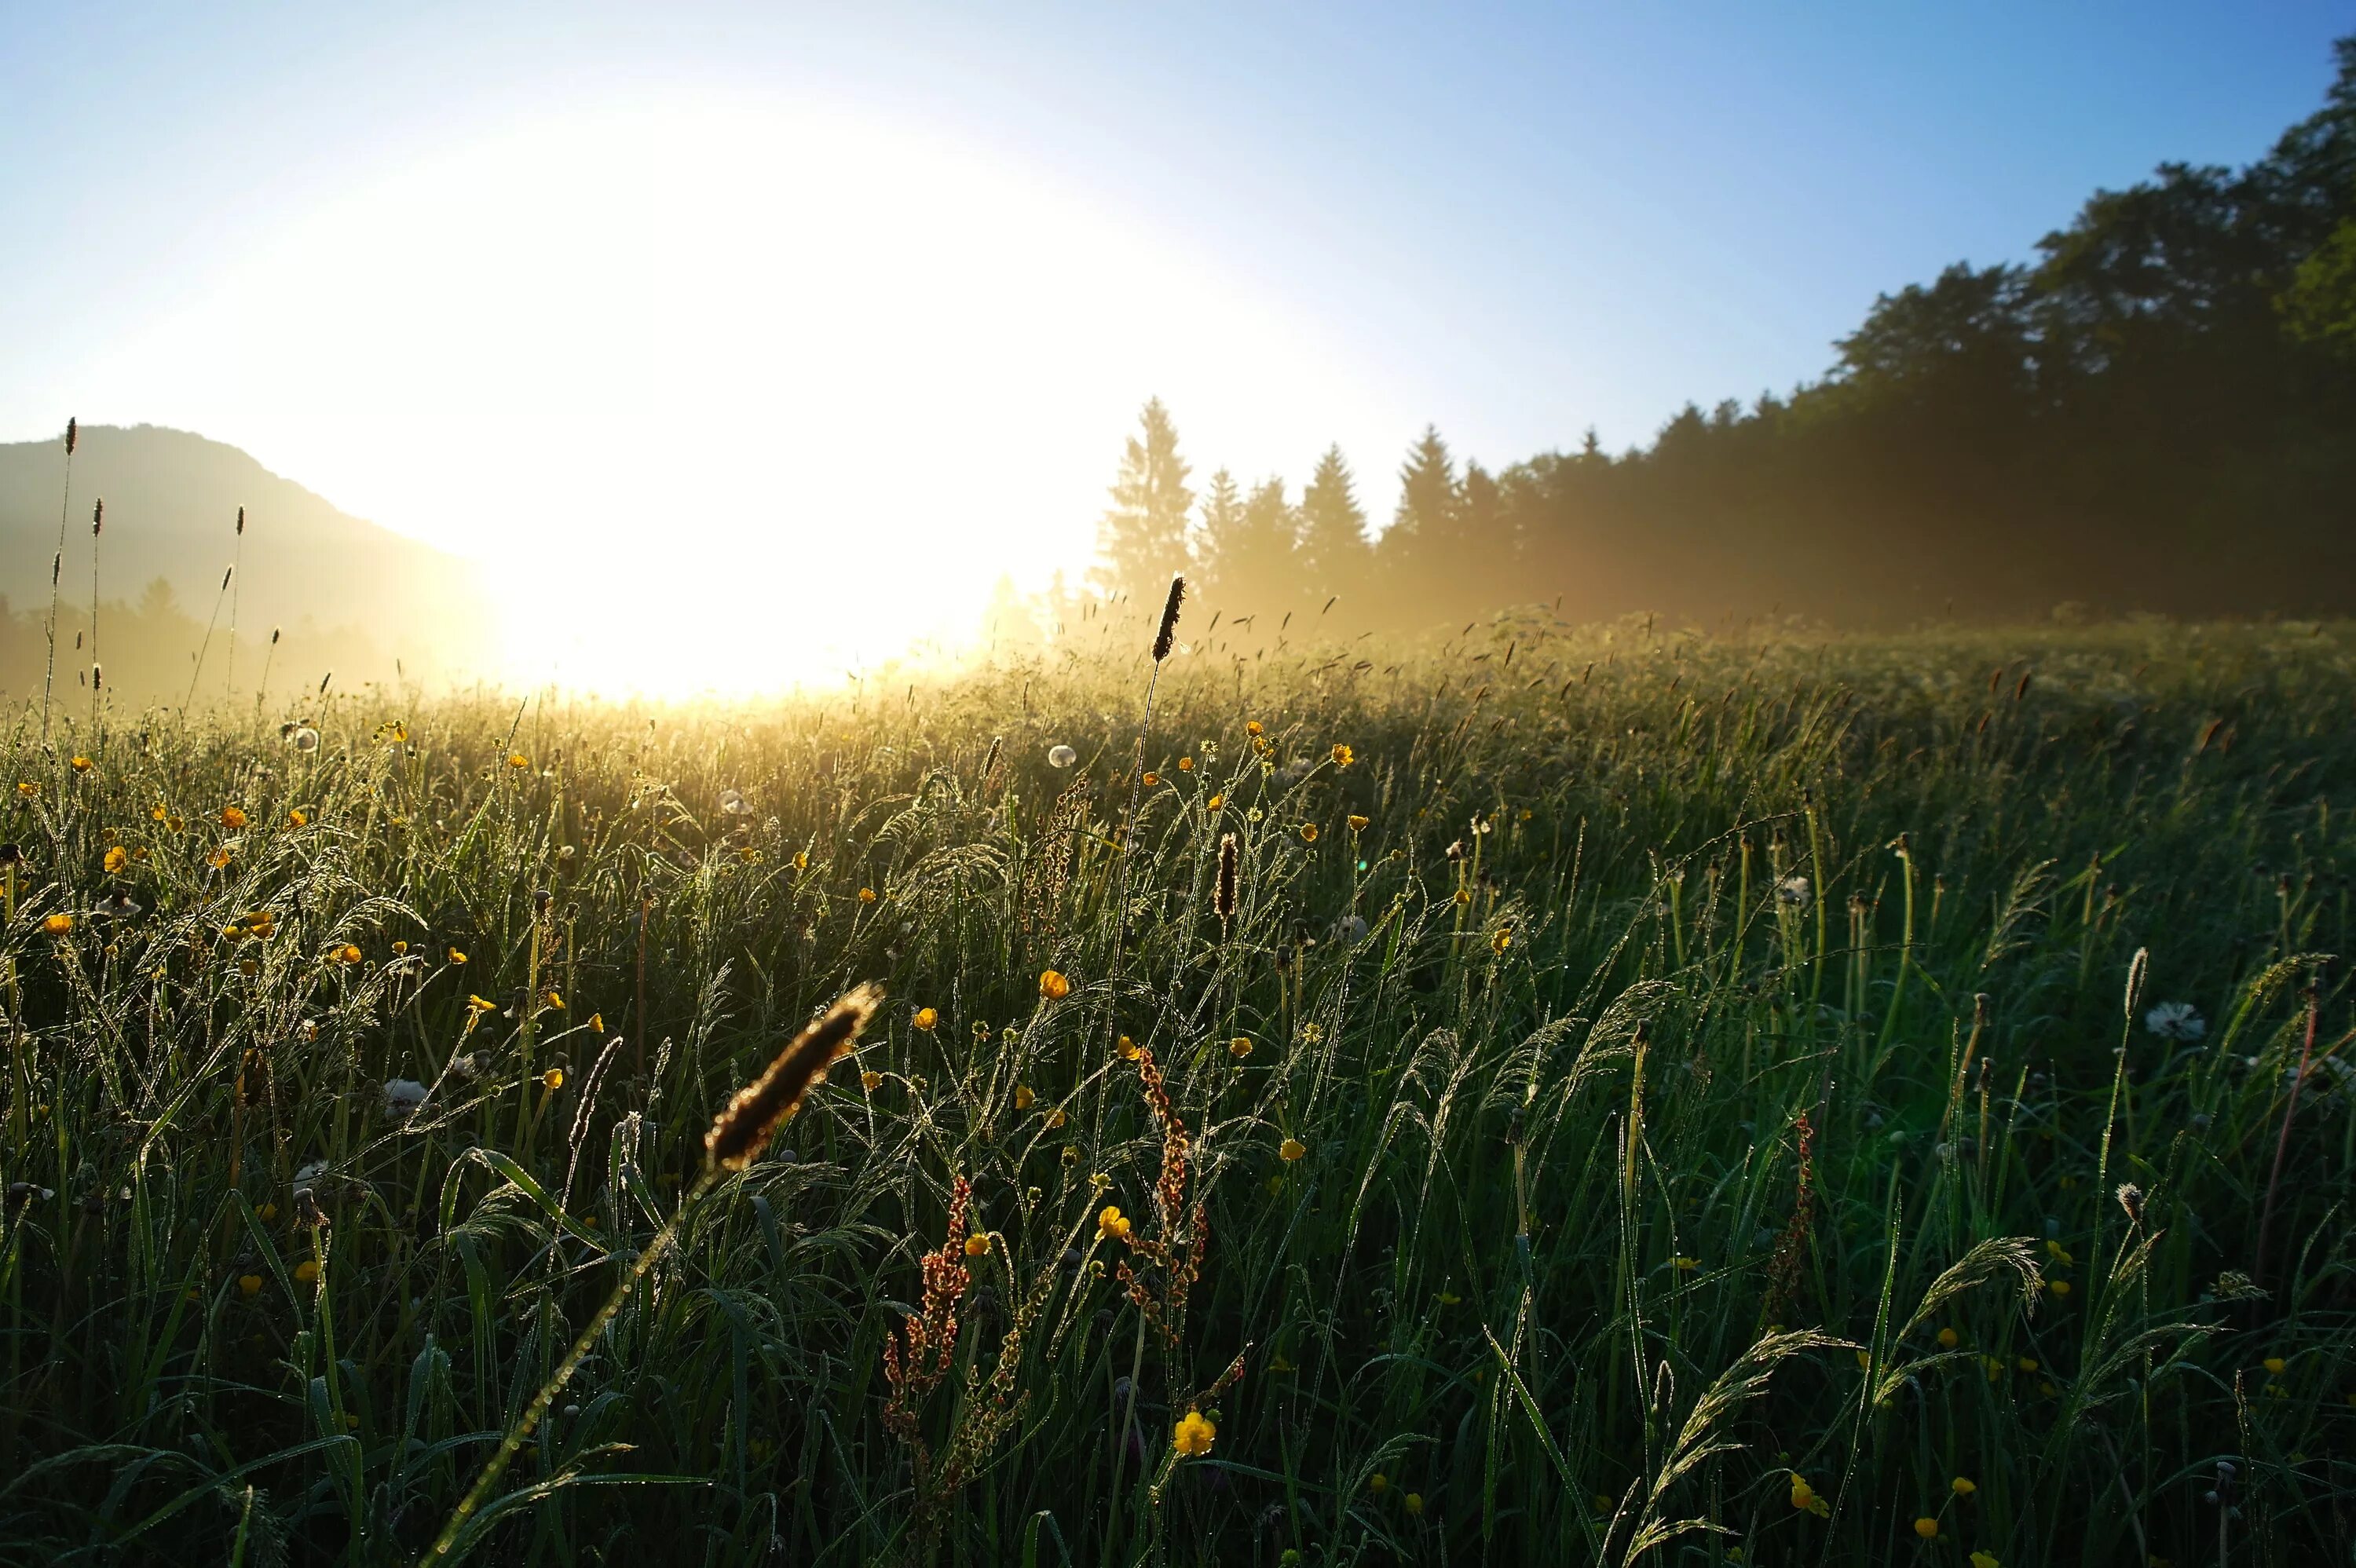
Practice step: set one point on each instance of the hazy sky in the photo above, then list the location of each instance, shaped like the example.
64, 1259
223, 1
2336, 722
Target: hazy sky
826, 316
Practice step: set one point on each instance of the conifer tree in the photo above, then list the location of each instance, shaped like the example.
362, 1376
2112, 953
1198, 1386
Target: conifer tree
1334, 550
1142, 536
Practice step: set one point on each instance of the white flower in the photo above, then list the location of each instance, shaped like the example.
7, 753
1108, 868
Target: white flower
733, 803
2176, 1021
402, 1095
1794, 890
1349, 930
1061, 756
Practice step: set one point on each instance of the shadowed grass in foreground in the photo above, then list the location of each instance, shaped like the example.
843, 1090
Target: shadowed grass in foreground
1823, 1102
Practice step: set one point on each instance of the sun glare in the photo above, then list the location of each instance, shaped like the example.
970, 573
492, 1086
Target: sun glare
730, 397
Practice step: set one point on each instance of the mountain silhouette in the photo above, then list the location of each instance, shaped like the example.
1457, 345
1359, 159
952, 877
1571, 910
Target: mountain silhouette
348, 593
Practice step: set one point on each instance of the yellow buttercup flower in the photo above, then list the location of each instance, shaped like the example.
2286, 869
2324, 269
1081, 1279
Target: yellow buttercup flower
1344, 756
518, 760
977, 1244
1194, 1435
117, 859
1309, 833
552, 1079
1292, 1149
1804, 1496
1948, 1339
2275, 1364
249, 1285
347, 953
1239, 1048
867, 895
1054, 985
232, 817
476, 1004
1215, 802
1358, 823
927, 1019
1251, 727
1412, 1502
1057, 1118
1024, 1097
1149, 779
871, 1081
1112, 1225
456, 956
82, 764
57, 924
1378, 1482
1928, 1528
307, 1271
1963, 1486
296, 817
1185, 764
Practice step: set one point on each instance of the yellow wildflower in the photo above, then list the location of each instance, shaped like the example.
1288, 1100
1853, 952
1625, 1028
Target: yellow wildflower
57, 924
1928, 1528
1949, 1338
1358, 823
1194, 1435
298, 817
977, 1244
347, 953
1024, 1097
1344, 756
248, 1284
927, 1019
1292, 1149
82, 764
867, 895
116, 858
307, 1271
232, 817
456, 956
871, 1081
1412, 1502
1963, 1486
1112, 1225
1309, 833
1216, 801
1805, 1497
1239, 1048
1054, 985
518, 760
553, 1078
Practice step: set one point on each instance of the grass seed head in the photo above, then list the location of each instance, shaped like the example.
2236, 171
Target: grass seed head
742, 1130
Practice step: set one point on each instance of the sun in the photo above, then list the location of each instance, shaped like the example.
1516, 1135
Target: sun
736, 397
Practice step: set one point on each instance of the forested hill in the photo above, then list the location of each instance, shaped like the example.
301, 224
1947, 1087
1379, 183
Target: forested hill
2157, 414
348, 593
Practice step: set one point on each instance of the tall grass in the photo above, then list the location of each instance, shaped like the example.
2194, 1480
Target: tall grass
1491, 1074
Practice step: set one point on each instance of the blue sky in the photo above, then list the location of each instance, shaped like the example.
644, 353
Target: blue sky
1319, 223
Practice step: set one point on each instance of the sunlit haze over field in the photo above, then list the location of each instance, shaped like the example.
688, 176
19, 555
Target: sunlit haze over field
742, 347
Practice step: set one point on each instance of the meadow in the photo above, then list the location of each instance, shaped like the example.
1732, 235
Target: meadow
1764, 1098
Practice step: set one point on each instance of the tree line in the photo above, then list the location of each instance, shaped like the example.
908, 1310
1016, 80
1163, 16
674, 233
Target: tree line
2157, 414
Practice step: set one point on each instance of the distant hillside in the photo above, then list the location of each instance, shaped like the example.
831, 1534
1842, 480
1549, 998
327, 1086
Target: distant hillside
346, 591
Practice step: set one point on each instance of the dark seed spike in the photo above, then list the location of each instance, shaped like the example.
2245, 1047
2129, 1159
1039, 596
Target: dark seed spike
744, 1128
1162, 639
